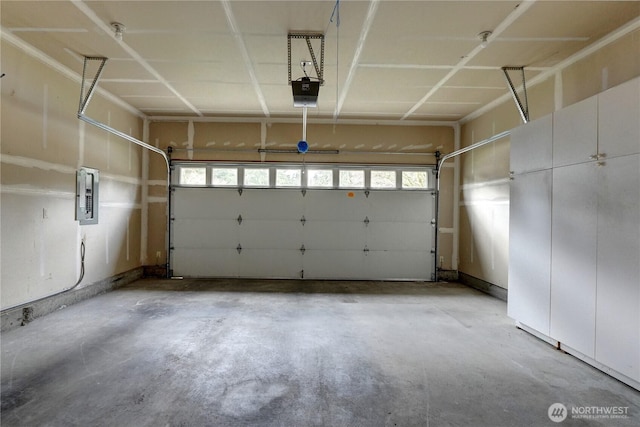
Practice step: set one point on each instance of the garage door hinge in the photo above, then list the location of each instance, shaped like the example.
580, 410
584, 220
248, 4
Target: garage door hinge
366, 193
302, 274
366, 250
240, 191
304, 192
303, 220
366, 221
302, 249
239, 219
239, 248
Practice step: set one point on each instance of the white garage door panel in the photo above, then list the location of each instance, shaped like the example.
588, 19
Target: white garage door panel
271, 204
338, 235
270, 263
335, 205
200, 233
270, 234
400, 206
398, 236
205, 262
334, 265
393, 236
401, 265
203, 203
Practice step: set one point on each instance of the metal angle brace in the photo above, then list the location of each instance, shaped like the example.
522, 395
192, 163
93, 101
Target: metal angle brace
308, 37
523, 107
84, 100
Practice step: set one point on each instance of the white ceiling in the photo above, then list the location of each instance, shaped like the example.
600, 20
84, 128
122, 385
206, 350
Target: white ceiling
388, 59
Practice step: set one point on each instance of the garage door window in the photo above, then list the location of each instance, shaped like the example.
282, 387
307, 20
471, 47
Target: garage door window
193, 176
319, 178
383, 179
224, 177
352, 178
315, 176
288, 177
415, 180
256, 177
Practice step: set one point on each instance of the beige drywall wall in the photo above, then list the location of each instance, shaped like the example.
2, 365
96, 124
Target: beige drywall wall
484, 173
239, 142
42, 145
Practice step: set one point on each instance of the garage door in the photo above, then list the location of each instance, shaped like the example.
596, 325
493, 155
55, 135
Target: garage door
299, 228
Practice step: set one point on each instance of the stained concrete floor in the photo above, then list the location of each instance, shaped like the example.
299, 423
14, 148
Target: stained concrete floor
270, 353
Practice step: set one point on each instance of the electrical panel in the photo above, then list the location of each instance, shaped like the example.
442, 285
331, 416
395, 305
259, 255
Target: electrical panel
87, 181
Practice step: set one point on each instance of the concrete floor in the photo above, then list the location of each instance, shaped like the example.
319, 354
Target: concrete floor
270, 353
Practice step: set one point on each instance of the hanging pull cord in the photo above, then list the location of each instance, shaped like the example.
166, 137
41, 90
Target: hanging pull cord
335, 14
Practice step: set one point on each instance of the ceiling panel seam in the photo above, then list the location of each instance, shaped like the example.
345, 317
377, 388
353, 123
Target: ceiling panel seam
89, 13
231, 20
506, 23
440, 67
371, 13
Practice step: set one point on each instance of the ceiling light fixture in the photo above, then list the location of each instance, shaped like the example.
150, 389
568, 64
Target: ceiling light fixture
484, 36
118, 30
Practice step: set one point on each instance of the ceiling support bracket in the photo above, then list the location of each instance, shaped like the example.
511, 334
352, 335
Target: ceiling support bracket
521, 104
307, 37
84, 100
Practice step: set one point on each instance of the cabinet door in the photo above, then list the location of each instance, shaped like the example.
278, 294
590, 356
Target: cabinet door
619, 120
575, 133
530, 249
573, 256
618, 294
531, 146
